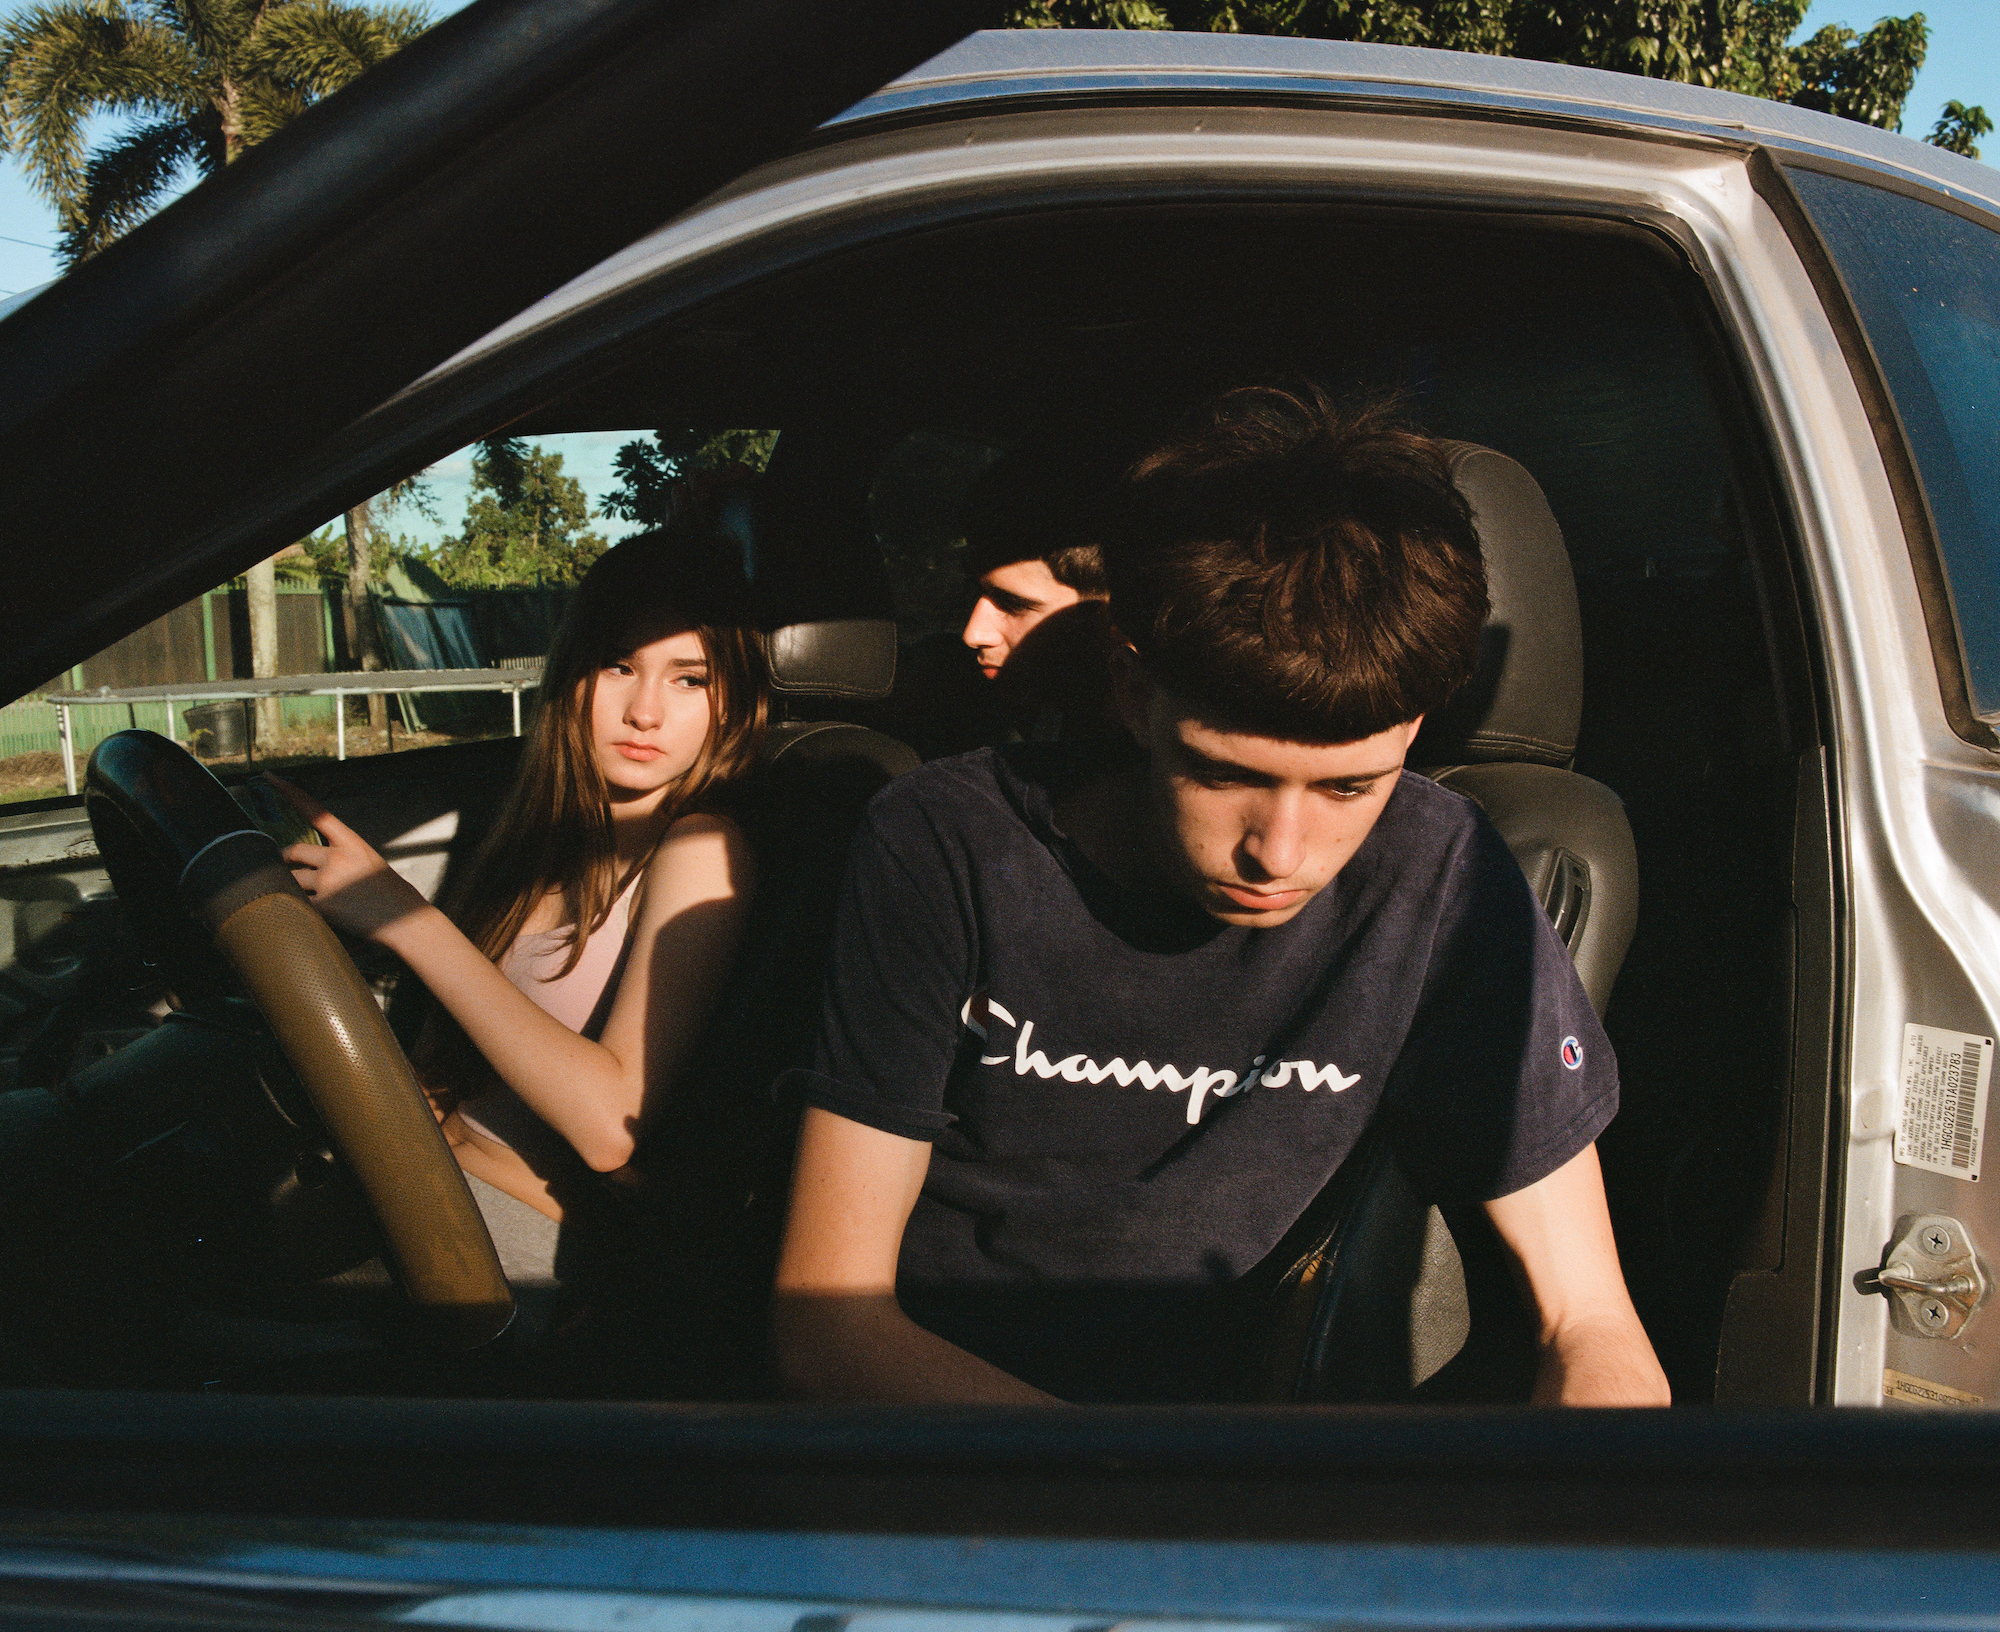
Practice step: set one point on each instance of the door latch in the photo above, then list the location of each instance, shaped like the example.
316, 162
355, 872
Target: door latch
1932, 1276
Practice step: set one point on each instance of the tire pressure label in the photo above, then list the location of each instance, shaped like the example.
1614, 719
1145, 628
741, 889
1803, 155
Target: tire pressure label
1941, 1121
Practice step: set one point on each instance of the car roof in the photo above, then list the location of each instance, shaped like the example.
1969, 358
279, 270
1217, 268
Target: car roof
994, 65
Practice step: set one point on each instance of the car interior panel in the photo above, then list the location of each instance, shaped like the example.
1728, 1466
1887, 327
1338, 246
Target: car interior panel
1645, 780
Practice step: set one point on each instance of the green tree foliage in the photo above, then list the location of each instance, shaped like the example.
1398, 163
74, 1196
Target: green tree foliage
653, 471
1959, 128
194, 82
324, 556
1862, 76
1732, 45
527, 523
328, 552
1089, 14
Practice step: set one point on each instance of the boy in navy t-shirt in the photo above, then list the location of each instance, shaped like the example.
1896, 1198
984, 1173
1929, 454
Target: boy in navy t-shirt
1101, 1022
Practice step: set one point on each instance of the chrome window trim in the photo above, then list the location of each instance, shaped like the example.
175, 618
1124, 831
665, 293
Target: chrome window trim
997, 64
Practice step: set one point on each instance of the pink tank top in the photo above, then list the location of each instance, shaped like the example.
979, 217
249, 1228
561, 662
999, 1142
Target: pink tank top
580, 999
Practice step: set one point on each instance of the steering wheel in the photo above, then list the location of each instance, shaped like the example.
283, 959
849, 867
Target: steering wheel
210, 896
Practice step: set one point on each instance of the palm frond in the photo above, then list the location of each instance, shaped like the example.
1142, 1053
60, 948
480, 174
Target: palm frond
51, 58
62, 63
264, 107
124, 182
321, 45
200, 77
215, 29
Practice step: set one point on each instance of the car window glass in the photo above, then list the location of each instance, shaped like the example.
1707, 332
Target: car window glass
468, 564
1927, 286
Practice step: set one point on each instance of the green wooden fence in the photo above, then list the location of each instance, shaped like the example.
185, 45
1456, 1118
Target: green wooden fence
202, 640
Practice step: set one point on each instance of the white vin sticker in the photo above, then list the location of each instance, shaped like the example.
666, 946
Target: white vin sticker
1941, 1124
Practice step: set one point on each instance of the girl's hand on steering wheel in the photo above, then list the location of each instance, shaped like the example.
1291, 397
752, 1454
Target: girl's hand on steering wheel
346, 879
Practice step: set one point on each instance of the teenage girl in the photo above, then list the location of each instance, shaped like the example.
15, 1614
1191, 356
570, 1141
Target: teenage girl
597, 924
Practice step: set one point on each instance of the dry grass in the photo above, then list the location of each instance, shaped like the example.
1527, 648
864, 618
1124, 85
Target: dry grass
30, 776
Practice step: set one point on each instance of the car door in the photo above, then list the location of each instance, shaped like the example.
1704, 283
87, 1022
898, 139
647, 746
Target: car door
551, 1514
1910, 279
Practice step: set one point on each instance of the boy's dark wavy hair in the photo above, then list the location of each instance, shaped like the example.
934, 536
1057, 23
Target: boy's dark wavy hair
1044, 501
1298, 568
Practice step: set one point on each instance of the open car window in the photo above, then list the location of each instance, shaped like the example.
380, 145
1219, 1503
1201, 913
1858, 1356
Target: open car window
900, 370
461, 571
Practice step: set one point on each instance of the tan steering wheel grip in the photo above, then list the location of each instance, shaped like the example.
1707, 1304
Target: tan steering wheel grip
335, 1037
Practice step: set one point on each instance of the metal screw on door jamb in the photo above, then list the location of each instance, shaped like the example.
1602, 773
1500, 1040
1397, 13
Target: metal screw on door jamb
1931, 1274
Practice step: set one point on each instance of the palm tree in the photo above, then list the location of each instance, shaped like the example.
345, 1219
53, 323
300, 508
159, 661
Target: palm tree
197, 82
200, 80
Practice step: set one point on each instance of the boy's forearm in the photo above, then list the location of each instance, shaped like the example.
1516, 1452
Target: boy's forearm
862, 1347
1606, 1361
1594, 1351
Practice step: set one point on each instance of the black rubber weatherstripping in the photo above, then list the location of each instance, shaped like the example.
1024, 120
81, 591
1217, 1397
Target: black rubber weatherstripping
176, 844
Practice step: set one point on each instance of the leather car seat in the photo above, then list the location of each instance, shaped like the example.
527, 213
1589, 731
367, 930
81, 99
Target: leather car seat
1376, 1292
1508, 739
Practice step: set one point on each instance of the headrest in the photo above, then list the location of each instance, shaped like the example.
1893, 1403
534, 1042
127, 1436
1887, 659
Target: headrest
1525, 700
849, 658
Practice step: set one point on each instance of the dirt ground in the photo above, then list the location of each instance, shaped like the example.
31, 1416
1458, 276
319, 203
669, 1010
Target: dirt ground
40, 776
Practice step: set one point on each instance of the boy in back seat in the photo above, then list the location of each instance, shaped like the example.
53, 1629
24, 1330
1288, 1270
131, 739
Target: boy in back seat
1098, 1028
1038, 629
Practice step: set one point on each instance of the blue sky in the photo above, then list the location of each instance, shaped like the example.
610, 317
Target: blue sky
1964, 64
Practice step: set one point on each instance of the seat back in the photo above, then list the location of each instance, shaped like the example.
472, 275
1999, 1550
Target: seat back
1507, 740
719, 1155
1376, 1294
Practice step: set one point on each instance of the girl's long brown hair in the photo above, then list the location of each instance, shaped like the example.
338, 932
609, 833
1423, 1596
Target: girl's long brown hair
553, 833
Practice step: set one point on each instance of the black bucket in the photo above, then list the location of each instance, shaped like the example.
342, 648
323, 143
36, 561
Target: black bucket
220, 730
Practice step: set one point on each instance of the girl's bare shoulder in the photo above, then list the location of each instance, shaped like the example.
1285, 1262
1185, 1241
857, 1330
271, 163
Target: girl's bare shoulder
698, 824
704, 845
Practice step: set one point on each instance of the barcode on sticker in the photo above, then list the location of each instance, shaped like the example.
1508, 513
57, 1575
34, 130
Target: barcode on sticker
1941, 1119
1970, 1059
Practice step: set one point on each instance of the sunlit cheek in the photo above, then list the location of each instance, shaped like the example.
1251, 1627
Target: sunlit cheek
694, 719
1350, 823
607, 710
1210, 827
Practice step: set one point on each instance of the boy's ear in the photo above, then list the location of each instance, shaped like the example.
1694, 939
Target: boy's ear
1131, 689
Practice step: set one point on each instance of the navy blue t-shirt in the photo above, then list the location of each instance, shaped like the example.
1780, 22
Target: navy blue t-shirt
1130, 1102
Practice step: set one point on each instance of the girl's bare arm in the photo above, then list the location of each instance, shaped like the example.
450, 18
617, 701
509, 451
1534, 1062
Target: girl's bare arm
693, 905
